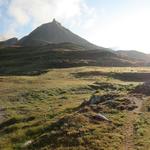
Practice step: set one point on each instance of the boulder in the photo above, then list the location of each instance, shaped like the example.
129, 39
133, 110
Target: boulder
95, 99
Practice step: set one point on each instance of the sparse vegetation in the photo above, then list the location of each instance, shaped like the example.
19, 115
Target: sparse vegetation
51, 110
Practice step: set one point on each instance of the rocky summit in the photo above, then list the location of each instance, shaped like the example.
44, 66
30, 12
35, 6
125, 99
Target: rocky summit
53, 32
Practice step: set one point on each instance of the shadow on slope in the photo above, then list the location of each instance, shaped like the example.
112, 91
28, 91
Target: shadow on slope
125, 76
36, 60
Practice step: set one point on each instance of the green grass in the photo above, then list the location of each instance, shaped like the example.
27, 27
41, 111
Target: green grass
33, 107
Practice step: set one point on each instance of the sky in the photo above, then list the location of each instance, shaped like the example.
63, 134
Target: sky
116, 24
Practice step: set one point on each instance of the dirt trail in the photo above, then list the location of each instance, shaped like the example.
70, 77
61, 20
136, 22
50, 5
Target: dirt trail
129, 132
129, 127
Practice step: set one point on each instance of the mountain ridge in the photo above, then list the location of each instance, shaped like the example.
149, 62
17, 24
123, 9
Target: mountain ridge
134, 54
54, 32
37, 60
53, 46
9, 42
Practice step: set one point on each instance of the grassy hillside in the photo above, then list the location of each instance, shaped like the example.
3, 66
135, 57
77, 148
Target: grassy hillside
52, 110
36, 60
136, 55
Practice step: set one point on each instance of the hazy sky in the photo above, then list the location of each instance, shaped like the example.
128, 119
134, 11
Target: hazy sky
118, 24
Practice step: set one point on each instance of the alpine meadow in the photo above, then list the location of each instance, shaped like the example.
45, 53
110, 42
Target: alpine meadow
74, 75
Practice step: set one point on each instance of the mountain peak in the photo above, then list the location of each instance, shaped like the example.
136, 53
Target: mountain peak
53, 32
55, 22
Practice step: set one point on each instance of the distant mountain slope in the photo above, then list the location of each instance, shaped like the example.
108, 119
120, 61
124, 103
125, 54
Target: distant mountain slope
9, 42
53, 32
36, 60
134, 55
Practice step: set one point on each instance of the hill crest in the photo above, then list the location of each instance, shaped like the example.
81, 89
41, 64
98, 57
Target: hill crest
54, 32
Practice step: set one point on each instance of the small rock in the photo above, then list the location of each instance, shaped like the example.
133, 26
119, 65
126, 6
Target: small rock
100, 117
27, 143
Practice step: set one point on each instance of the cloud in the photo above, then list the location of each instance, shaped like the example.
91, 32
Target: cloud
21, 13
122, 25
128, 30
